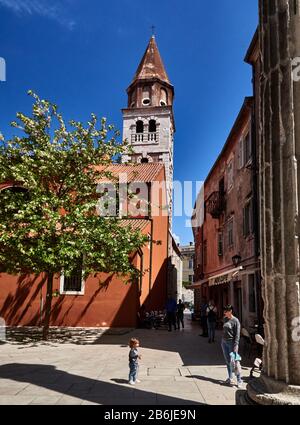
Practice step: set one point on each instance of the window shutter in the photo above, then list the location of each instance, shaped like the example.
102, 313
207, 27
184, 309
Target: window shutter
250, 140
220, 244
244, 222
251, 217
241, 153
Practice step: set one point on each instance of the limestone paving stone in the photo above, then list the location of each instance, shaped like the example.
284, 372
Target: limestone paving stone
45, 400
15, 400
67, 400
175, 369
163, 372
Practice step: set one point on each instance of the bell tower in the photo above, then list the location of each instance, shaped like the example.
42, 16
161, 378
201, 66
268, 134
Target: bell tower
148, 120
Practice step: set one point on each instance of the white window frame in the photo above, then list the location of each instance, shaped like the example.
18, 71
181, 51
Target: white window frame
243, 161
62, 281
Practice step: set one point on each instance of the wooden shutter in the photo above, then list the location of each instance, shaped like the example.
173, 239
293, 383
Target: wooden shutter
241, 153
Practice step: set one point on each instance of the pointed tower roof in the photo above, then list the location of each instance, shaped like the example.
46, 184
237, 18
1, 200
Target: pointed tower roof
151, 65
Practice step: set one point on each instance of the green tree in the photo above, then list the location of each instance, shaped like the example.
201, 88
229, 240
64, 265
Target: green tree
48, 223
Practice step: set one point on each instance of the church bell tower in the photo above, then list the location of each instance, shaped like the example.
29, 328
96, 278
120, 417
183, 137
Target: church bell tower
148, 120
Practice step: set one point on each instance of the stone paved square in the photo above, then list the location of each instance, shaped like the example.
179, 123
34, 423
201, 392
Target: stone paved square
177, 368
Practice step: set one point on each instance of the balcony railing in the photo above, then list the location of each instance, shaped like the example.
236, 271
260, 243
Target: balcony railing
145, 137
215, 204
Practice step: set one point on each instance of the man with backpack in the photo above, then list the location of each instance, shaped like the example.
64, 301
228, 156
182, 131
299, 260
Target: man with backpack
211, 313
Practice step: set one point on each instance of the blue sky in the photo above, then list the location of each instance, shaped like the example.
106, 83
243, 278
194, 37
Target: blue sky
83, 54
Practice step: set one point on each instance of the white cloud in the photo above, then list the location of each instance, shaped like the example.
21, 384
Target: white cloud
39, 7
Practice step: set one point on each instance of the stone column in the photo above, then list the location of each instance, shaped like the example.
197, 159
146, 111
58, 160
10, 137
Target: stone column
279, 179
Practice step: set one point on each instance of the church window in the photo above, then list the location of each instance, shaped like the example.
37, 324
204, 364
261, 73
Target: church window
140, 127
146, 96
163, 97
144, 160
152, 126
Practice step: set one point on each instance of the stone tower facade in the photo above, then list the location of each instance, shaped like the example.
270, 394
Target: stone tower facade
148, 120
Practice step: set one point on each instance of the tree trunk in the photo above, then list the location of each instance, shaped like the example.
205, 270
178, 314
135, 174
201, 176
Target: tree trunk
48, 305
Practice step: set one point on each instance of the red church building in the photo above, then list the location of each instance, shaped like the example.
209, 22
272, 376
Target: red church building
149, 122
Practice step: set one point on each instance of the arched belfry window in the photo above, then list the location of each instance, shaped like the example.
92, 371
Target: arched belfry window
139, 127
144, 161
146, 96
163, 97
152, 126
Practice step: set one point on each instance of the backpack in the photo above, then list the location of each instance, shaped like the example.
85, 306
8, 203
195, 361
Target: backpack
211, 315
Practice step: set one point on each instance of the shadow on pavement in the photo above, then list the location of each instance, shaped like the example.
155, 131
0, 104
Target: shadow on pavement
86, 389
216, 381
205, 378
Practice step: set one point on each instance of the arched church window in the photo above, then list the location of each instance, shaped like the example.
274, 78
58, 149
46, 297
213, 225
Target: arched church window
144, 161
152, 126
140, 127
163, 97
146, 96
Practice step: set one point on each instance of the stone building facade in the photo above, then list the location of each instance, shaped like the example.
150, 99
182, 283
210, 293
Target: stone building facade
226, 263
188, 255
149, 128
175, 271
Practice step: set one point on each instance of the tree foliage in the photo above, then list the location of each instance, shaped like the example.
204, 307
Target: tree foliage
49, 224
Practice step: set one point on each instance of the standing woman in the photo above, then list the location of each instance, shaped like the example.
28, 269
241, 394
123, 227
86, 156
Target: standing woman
230, 342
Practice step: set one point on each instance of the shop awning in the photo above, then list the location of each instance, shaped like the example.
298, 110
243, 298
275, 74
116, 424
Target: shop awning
197, 284
222, 278
218, 279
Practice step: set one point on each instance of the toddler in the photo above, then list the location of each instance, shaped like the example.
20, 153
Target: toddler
134, 357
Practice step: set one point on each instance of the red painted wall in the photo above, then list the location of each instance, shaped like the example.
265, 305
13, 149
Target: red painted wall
112, 304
